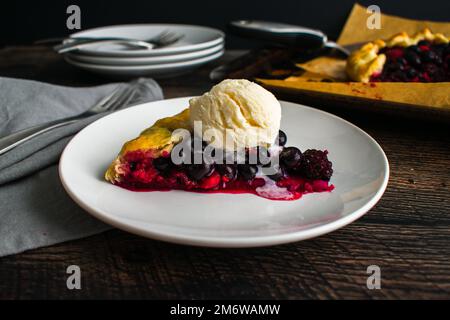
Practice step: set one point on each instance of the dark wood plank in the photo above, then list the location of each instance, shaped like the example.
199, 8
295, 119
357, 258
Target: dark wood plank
407, 233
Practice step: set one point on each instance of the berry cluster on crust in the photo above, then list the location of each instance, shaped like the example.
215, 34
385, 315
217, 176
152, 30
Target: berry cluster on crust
368, 62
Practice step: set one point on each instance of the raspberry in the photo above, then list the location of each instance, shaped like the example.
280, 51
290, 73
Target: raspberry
315, 165
394, 53
210, 182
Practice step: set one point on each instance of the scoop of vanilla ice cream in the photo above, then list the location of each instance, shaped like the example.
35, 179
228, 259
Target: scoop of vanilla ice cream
236, 114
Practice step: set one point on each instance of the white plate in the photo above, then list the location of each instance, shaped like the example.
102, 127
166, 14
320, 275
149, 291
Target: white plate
129, 61
226, 220
154, 70
195, 38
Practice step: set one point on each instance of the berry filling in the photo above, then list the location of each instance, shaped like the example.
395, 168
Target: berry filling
424, 62
296, 174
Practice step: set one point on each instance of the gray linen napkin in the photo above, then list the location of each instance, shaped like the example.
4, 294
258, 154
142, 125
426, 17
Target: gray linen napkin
35, 210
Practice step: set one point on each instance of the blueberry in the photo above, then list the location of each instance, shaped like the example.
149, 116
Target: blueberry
438, 49
197, 142
414, 49
399, 76
428, 56
227, 170
263, 155
413, 58
162, 164
251, 156
411, 73
248, 172
423, 43
132, 166
390, 66
397, 66
447, 48
209, 154
402, 61
291, 157
438, 60
199, 171
198, 154
424, 77
282, 138
278, 174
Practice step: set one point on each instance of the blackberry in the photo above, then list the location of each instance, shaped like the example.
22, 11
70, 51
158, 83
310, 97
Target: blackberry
315, 165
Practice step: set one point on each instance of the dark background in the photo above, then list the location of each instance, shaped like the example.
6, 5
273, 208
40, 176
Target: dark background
25, 21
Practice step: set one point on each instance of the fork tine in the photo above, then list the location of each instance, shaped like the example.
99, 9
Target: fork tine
161, 35
167, 41
165, 33
125, 101
102, 105
122, 99
138, 87
178, 37
168, 38
113, 103
173, 35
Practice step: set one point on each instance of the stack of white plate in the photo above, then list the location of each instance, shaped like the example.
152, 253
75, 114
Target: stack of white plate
198, 46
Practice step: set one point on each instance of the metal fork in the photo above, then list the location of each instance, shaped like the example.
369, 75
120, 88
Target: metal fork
163, 39
120, 97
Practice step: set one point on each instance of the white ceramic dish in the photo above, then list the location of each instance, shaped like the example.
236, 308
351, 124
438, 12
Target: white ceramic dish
195, 38
142, 61
156, 70
361, 173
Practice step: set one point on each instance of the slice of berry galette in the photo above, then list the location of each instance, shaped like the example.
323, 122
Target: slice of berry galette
423, 57
252, 158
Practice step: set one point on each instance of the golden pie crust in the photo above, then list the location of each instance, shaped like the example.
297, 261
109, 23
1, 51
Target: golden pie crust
156, 139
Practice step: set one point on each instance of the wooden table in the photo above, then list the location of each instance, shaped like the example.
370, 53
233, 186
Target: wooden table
407, 234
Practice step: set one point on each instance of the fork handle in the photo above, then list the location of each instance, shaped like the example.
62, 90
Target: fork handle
17, 138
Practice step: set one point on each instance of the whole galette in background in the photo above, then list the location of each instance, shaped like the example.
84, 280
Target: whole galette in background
423, 57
